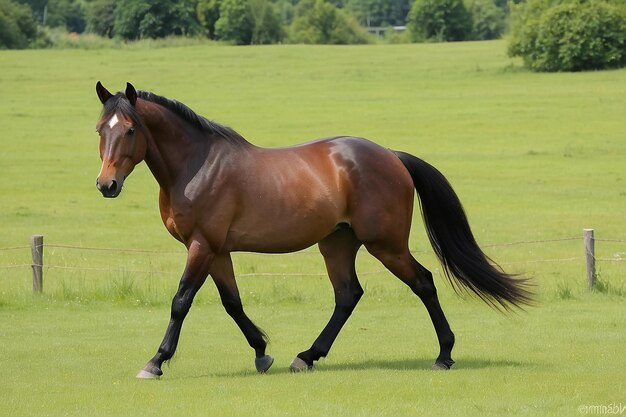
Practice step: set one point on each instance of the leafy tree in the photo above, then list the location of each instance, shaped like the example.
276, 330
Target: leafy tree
369, 12
136, 19
504, 4
569, 35
286, 10
234, 23
398, 12
66, 13
379, 12
320, 22
488, 20
17, 27
37, 7
128, 16
208, 12
101, 18
249, 22
439, 20
267, 25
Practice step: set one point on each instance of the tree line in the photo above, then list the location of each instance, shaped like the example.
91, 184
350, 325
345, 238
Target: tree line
252, 21
549, 35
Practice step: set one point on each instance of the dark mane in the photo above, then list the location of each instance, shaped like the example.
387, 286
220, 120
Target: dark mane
119, 103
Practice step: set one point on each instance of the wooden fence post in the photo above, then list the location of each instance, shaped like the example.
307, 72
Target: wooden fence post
36, 246
590, 256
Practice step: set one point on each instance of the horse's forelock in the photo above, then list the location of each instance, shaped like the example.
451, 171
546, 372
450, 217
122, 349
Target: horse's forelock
119, 104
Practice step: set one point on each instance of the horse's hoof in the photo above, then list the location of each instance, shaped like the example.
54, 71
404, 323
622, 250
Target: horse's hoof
263, 363
147, 375
442, 365
150, 372
298, 365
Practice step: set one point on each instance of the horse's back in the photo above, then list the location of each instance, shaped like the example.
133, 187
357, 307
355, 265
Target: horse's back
295, 196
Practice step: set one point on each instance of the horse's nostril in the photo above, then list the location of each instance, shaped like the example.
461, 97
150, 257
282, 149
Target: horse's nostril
108, 190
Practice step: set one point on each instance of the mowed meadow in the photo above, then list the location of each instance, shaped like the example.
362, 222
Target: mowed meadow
535, 158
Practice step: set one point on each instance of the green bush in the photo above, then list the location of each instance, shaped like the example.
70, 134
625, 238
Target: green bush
320, 22
101, 18
59, 38
569, 35
488, 20
17, 27
439, 20
68, 14
247, 22
136, 19
392, 37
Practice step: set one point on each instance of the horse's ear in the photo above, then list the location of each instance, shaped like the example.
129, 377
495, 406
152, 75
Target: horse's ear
103, 93
131, 93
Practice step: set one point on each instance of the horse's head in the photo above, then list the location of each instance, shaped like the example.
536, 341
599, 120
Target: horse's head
122, 139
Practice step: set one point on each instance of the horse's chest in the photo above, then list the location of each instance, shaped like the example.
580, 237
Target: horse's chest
174, 218
188, 220
180, 223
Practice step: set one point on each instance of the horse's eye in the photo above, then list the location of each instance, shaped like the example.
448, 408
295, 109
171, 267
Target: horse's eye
131, 131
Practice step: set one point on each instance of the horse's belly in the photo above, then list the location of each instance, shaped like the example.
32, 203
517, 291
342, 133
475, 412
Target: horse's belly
278, 233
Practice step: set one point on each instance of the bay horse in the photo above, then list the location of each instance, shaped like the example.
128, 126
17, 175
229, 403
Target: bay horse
220, 194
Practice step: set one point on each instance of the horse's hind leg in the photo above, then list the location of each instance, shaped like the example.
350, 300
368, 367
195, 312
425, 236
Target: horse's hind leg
224, 278
339, 250
402, 264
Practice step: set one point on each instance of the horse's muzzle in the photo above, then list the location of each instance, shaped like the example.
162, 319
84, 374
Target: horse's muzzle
110, 190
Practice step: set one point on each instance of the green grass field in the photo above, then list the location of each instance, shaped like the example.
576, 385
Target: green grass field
534, 157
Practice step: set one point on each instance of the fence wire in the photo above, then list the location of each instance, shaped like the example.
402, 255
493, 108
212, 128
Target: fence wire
287, 274
14, 248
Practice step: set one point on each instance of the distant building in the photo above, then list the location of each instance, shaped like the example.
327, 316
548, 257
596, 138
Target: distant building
380, 30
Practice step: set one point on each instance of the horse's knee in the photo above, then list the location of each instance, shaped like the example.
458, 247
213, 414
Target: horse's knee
180, 307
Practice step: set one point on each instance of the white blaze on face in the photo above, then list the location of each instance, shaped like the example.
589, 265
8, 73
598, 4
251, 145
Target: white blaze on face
113, 121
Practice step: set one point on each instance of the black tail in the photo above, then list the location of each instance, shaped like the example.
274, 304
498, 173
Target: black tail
452, 239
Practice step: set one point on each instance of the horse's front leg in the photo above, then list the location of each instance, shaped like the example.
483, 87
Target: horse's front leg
199, 259
224, 277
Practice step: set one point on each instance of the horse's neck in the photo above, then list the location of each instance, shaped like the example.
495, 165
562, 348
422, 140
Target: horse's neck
175, 152
176, 148
167, 155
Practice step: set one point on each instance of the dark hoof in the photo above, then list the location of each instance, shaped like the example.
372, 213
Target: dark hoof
150, 371
442, 365
298, 365
263, 363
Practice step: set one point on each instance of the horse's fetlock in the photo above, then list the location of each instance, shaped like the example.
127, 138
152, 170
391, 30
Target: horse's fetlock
448, 340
